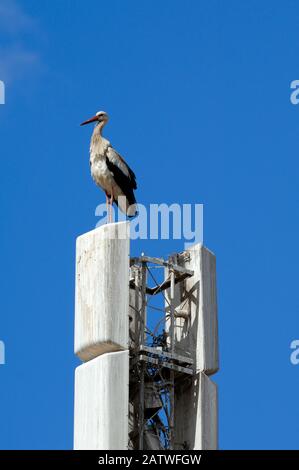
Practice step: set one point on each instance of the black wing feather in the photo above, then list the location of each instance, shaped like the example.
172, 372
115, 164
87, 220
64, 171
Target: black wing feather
126, 183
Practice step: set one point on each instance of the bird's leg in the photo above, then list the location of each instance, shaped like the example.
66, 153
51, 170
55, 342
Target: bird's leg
107, 208
111, 204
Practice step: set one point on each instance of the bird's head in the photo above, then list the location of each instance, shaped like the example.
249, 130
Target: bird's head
100, 118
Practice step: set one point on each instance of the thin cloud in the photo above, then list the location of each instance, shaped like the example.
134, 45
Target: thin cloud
16, 62
13, 19
17, 58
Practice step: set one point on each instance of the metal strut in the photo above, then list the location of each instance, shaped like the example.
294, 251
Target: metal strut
172, 325
155, 366
142, 365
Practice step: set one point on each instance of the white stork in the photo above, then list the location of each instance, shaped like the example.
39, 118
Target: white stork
110, 171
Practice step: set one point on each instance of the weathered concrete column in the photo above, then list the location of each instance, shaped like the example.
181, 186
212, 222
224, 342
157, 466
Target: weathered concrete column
196, 413
101, 338
196, 336
197, 297
102, 291
101, 403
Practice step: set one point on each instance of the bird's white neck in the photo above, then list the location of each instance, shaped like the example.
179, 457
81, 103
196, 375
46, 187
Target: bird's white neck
99, 128
98, 144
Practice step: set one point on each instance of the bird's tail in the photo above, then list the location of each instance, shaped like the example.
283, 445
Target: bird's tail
127, 205
132, 210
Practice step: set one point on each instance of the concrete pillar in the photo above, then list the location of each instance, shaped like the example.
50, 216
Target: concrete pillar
196, 409
102, 291
102, 338
198, 335
101, 403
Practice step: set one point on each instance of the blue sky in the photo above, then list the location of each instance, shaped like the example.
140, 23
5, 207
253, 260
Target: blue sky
199, 99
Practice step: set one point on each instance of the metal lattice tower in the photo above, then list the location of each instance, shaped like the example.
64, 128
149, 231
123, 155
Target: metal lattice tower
154, 365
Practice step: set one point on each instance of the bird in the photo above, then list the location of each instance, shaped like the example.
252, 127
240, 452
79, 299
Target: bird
110, 171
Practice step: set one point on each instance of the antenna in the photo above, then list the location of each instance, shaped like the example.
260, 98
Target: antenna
145, 382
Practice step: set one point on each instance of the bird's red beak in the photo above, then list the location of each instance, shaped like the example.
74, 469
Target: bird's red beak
93, 119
